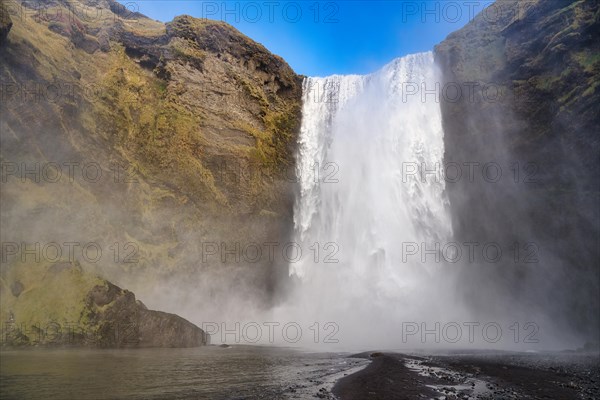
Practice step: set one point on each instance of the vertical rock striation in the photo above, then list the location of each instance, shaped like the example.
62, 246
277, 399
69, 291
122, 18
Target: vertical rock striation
540, 114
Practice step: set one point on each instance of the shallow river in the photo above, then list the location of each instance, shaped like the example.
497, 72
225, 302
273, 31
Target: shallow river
239, 372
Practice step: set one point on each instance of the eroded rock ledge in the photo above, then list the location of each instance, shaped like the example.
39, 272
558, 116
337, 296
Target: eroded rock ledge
62, 305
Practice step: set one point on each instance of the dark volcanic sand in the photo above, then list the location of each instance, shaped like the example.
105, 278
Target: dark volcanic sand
483, 375
385, 378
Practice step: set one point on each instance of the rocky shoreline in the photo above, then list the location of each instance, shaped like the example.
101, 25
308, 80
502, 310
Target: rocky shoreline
474, 375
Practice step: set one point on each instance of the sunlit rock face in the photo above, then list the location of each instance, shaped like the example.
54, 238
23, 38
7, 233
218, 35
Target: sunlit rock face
529, 77
173, 140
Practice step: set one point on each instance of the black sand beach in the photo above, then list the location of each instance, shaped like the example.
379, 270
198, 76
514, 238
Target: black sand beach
484, 375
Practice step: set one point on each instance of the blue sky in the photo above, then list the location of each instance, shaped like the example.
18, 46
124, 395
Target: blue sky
319, 38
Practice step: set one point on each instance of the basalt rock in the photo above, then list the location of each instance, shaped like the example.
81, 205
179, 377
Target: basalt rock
62, 305
535, 112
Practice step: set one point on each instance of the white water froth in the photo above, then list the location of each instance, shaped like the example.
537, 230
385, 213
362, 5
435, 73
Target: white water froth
360, 139
359, 205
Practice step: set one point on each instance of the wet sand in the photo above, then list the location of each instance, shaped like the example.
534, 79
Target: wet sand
386, 377
483, 375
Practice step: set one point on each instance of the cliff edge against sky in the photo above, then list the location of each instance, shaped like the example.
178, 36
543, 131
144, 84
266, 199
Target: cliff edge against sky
150, 141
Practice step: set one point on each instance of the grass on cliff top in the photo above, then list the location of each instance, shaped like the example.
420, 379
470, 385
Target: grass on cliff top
190, 27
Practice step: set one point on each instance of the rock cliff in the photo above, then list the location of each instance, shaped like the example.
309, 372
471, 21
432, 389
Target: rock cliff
167, 146
529, 75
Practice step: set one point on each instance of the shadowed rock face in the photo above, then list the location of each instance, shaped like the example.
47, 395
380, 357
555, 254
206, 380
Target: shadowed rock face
5, 23
191, 124
127, 323
543, 58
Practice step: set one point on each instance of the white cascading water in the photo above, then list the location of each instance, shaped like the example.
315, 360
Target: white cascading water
361, 139
360, 203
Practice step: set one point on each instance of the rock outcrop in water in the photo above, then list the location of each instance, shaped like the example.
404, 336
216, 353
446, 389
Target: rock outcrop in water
538, 120
59, 304
164, 144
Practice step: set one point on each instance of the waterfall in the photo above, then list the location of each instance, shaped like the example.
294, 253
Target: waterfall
361, 202
364, 146
372, 220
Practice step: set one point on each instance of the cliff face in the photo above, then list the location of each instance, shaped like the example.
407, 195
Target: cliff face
164, 145
534, 111
5, 23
